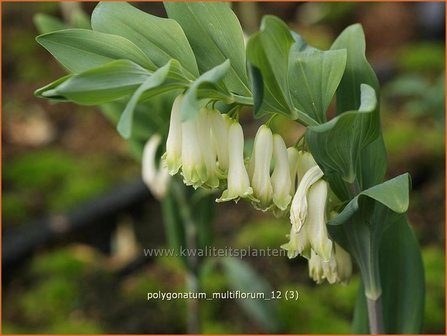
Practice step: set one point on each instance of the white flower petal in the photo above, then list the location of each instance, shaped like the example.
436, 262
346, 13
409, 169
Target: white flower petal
260, 180
207, 148
316, 220
173, 155
220, 125
281, 174
238, 183
157, 180
193, 169
298, 209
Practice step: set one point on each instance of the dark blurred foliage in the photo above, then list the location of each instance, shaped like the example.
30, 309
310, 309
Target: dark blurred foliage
57, 156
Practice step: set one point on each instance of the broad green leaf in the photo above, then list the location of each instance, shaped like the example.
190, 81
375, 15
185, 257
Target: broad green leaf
268, 54
313, 77
242, 277
394, 194
47, 23
159, 38
372, 163
82, 49
211, 83
103, 84
402, 281
215, 35
337, 144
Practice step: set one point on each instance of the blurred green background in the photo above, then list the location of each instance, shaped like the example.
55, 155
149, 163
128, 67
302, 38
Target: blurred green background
55, 157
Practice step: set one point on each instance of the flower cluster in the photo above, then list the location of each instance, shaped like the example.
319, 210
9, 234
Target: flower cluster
209, 152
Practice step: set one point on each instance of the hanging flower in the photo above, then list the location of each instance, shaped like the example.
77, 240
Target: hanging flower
173, 155
338, 269
220, 125
298, 244
193, 169
344, 264
207, 148
238, 181
298, 209
316, 220
281, 174
157, 180
316, 271
261, 158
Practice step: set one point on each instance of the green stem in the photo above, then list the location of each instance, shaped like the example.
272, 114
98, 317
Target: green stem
193, 276
368, 260
375, 316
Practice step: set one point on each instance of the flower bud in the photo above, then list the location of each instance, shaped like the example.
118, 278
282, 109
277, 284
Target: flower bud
207, 148
238, 183
193, 169
281, 174
157, 180
260, 180
173, 155
220, 125
298, 209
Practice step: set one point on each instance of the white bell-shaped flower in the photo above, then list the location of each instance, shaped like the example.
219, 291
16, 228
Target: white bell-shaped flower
157, 179
173, 155
344, 264
298, 244
193, 167
281, 174
298, 209
316, 220
260, 180
338, 269
316, 271
238, 183
220, 125
207, 148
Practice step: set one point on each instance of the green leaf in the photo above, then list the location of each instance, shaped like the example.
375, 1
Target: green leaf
81, 49
402, 281
313, 77
364, 223
47, 23
159, 38
103, 84
372, 163
48, 92
268, 54
209, 83
394, 194
337, 144
215, 35
166, 78
242, 277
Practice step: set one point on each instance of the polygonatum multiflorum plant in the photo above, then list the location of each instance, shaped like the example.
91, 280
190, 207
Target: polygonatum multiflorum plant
181, 82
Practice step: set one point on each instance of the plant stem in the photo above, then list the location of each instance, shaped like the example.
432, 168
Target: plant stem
375, 316
192, 277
